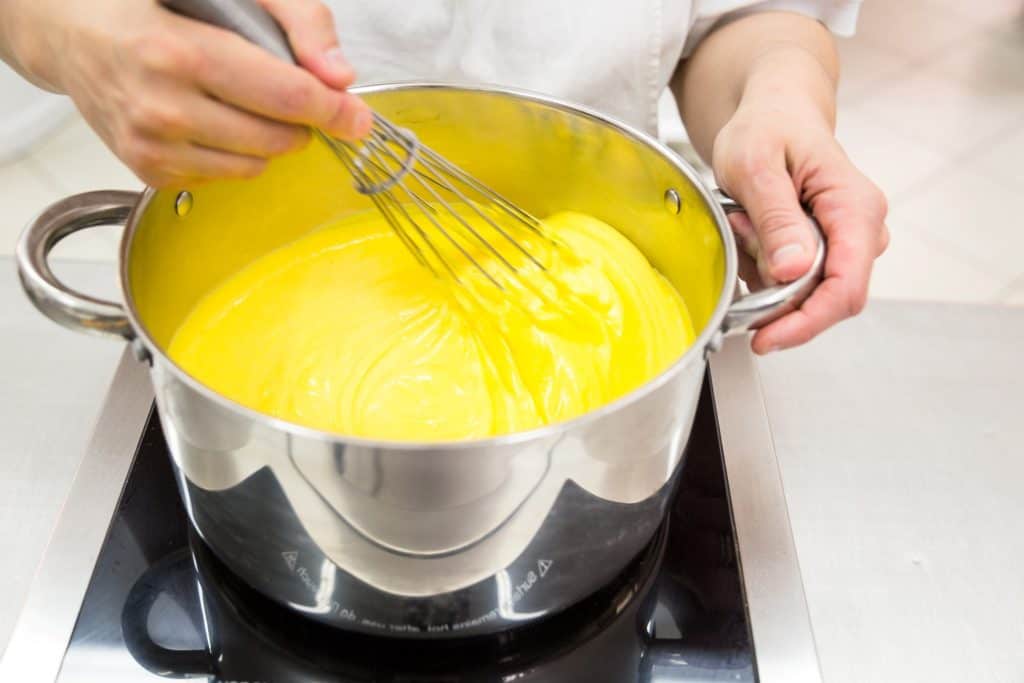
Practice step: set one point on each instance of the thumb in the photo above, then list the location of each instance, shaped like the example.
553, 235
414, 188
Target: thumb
309, 26
785, 233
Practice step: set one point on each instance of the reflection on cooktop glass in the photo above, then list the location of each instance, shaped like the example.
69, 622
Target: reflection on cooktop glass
160, 605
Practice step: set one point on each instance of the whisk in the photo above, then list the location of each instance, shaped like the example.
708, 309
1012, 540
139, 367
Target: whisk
412, 186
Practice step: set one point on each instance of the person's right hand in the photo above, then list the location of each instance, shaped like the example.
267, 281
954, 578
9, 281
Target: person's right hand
180, 101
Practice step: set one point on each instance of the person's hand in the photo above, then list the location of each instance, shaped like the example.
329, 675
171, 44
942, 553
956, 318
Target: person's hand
181, 102
772, 156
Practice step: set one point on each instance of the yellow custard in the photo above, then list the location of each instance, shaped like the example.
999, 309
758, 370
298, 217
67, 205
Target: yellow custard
342, 330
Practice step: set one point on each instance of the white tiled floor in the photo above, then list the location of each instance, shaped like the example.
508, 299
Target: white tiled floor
931, 107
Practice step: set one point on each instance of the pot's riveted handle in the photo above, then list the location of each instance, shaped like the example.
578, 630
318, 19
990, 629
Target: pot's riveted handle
757, 309
244, 17
56, 300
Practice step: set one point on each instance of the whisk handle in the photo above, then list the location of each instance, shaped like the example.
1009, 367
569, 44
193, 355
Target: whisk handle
245, 17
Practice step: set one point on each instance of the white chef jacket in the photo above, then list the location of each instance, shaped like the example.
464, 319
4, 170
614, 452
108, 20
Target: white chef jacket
615, 56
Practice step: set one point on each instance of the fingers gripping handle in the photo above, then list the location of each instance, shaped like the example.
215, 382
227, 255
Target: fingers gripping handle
57, 301
757, 309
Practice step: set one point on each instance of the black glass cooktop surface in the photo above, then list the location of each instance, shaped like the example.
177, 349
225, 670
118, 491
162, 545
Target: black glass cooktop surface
159, 605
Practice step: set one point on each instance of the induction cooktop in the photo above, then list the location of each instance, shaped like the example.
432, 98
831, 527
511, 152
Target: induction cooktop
127, 592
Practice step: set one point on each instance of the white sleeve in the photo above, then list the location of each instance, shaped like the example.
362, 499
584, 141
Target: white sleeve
840, 16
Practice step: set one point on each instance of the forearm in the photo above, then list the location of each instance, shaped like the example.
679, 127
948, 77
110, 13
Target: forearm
776, 57
28, 37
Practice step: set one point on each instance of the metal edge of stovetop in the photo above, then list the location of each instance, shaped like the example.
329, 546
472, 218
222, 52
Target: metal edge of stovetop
780, 625
35, 651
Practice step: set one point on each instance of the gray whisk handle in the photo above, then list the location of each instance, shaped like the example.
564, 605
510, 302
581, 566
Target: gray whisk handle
244, 17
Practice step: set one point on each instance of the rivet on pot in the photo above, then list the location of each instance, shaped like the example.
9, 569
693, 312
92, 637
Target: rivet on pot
673, 203
183, 204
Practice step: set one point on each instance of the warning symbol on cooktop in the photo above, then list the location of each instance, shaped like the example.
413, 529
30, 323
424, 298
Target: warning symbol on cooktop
543, 566
290, 558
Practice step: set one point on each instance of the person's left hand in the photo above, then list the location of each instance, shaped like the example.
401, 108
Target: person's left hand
772, 157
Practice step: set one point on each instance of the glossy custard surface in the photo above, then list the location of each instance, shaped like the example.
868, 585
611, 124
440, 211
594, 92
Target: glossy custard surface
342, 330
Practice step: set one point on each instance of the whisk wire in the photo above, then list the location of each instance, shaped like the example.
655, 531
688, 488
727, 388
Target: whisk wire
374, 170
390, 160
431, 216
496, 198
465, 224
494, 224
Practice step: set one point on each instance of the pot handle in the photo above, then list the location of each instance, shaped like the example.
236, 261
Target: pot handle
757, 309
54, 299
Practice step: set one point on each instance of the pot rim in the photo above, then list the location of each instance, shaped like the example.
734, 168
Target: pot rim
700, 346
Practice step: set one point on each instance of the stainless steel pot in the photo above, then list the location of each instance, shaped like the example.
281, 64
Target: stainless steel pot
420, 540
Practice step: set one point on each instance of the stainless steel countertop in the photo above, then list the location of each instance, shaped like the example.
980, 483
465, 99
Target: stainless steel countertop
898, 437
53, 384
